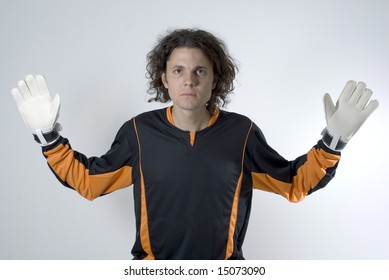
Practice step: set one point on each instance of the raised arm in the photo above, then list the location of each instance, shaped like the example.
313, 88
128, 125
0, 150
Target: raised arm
300, 177
91, 177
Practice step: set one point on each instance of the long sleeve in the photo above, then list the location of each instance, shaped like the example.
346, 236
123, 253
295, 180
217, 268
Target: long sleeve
94, 176
292, 179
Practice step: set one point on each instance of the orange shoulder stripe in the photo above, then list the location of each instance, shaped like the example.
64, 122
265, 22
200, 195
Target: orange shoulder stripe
235, 204
144, 221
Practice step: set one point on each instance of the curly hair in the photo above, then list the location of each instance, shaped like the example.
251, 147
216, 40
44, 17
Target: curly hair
213, 48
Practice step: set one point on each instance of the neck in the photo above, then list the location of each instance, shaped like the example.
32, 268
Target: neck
190, 120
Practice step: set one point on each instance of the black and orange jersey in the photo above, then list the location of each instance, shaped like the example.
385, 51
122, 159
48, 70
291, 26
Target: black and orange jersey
192, 191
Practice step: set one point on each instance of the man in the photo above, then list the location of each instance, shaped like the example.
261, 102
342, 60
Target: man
192, 165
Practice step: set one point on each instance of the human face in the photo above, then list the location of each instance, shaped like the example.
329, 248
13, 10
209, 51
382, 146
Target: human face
189, 79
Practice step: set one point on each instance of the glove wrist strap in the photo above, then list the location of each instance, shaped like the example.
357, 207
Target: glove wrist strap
45, 138
332, 141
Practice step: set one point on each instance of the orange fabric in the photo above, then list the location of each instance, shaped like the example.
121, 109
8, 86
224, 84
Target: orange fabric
169, 115
192, 136
144, 222
61, 160
307, 177
214, 117
235, 204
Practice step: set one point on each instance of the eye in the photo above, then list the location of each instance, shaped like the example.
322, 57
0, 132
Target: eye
201, 71
177, 71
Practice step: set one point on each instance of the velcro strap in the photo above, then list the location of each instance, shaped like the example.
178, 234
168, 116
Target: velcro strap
334, 143
45, 138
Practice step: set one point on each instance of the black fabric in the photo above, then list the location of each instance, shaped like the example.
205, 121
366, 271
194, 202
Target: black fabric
190, 189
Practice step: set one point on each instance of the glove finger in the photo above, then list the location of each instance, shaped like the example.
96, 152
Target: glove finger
42, 86
370, 108
357, 93
54, 107
347, 92
364, 99
18, 97
329, 107
24, 90
31, 83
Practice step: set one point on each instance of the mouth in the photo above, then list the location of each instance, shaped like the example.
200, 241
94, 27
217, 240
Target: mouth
187, 94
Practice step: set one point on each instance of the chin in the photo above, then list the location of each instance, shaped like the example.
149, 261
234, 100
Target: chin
190, 107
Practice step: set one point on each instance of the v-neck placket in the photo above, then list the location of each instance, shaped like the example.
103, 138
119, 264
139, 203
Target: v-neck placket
192, 134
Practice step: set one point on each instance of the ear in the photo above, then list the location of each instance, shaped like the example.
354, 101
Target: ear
164, 80
214, 83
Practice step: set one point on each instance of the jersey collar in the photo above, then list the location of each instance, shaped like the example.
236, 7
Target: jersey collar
212, 120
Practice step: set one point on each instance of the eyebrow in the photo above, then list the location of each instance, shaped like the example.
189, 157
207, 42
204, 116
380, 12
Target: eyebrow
181, 66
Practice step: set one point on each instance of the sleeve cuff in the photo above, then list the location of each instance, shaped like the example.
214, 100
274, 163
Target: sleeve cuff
334, 143
45, 138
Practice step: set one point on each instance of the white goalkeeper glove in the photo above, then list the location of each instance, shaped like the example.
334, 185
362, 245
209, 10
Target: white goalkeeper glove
38, 110
351, 111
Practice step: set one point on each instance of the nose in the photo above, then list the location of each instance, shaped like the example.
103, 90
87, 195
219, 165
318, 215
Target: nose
190, 80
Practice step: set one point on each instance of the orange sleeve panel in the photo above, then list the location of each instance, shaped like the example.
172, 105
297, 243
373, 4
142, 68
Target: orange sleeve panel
94, 176
292, 179
308, 176
62, 161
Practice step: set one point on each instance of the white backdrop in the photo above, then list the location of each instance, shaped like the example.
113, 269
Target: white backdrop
290, 53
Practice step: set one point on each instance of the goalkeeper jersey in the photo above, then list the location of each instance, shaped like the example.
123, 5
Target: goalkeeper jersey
192, 191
